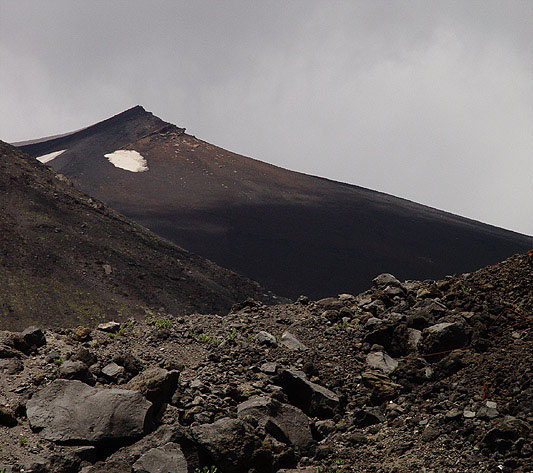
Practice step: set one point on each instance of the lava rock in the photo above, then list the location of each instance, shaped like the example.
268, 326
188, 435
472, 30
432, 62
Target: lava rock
386, 279
381, 361
71, 411
288, 340
156, 384
113, 371
33, 337
75, 370
284, 422
7, 418
228, 443
443, 337
502, 436
166, 459
109, 327
367, 417
313, 399
265, 338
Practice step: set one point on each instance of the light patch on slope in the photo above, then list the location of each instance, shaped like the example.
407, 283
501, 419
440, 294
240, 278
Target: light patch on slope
128, 160
45, 158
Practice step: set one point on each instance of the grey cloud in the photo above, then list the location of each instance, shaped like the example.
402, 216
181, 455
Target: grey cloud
426, 100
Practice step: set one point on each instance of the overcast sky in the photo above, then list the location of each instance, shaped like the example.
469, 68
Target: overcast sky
427, 100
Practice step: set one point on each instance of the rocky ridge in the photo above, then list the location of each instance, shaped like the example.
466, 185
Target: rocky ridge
412, 376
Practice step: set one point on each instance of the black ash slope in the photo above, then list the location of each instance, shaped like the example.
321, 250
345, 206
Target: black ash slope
294, 233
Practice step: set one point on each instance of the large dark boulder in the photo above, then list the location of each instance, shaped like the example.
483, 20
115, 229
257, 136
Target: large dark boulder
313, 399
156, 384
440, 339
72, 412
286, 423
228, 443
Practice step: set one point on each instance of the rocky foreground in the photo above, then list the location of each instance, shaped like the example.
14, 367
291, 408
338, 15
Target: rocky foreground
432, 376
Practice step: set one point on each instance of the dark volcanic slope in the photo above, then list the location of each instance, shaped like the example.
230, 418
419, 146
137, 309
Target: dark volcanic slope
66, 259
292, 232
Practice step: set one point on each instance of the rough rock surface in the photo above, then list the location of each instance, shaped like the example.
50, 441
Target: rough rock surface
71, 411
166, 459
240, 405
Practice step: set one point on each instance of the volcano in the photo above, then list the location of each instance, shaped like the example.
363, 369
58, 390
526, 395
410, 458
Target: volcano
293, 233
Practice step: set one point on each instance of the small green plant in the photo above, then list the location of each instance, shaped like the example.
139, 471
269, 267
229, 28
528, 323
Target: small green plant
162, 323
232, 335
205, 469
23, 440
158, 322
465, 289
204, 338
58, 361
342, 325
194, 332
251, 339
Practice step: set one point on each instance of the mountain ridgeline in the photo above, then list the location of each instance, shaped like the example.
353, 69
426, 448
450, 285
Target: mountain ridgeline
293, 233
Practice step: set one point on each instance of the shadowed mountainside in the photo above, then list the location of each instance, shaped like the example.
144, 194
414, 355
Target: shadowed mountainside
67, 259
294, 233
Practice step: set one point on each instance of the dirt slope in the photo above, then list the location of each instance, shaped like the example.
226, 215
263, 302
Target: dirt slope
66, 258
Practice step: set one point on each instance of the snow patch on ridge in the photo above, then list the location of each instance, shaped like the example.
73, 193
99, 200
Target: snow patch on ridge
45, 158
128, 160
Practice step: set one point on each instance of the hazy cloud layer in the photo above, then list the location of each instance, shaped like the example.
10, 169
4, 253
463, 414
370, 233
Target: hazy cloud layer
427, 100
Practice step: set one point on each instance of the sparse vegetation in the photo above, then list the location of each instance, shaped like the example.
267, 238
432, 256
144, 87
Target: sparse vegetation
207, 469
158, 322
58, 361
232, 334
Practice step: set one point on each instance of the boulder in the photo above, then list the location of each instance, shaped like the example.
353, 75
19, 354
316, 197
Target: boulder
73, 412
313, 399
166, 459
285, 423
381, 361
227, 443
440, 339
33, 337
75, 370
383, 280
156, 384
265, 338
109, 327
288, 340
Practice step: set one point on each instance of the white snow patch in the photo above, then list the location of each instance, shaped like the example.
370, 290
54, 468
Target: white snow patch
128, 160
45, 158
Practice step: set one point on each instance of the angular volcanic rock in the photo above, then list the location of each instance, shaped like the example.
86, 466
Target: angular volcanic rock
71, 411
67, 259
294, 233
